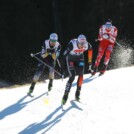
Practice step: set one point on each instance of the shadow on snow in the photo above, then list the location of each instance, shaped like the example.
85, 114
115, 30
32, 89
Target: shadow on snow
47, 123
14, 108
87, 80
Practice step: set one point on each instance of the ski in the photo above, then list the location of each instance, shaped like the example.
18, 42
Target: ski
100, 74
95, 76
79, 102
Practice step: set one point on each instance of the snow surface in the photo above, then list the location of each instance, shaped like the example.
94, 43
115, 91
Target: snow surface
107, 107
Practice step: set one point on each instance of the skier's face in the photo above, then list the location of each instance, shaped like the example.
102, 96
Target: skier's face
81, 45
52, 42
108, 27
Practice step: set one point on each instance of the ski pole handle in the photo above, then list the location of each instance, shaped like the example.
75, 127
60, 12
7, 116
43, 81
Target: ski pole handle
45, 64
32, 55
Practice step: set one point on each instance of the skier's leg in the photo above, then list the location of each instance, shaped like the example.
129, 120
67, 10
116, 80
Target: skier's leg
106, 59
37, 74
50, 85
101, 50
51, 76
79, 84
68, 86
80, 80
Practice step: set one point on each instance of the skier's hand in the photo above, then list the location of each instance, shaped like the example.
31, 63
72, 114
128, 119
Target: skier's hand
44, 55
54, 56
105, 36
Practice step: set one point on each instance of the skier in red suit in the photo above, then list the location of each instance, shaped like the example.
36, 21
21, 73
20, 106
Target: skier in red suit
107, 37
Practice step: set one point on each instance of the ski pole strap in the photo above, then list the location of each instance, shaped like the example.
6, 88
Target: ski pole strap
32, 55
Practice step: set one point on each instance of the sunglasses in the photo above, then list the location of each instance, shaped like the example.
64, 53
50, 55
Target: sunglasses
108, 25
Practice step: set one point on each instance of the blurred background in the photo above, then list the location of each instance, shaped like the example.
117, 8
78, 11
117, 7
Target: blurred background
25, 24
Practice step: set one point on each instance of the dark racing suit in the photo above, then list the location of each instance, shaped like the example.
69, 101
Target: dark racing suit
75, 63
48, 55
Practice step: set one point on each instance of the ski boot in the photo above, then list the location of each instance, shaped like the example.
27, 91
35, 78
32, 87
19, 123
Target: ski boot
50, 85
103, 70
101, 73
77, 95
94, 71
31, 89
65, 97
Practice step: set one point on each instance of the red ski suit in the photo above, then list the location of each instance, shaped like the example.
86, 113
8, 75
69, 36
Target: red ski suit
107, 39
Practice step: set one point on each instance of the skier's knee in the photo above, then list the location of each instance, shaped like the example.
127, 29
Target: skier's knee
36, 76
51, 75
68, 86
71, 79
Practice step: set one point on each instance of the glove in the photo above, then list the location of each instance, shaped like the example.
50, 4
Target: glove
105, 36
44, 55
54, 56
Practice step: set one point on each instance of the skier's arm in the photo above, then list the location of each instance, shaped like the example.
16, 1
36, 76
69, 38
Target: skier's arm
44, 51
112, 37
100, 36
55, 54
69, 48
63, 58
58, 51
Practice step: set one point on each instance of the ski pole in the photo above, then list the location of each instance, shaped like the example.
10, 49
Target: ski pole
32, 55
37, 53
58, 63
119, 44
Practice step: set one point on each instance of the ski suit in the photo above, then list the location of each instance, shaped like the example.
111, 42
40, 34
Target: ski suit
48, 55
75, 62
107, 40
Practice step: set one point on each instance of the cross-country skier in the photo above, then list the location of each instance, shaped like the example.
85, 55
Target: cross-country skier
74, 55
107, 37
50, 52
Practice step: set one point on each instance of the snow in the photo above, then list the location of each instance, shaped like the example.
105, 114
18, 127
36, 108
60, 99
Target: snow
107, 107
